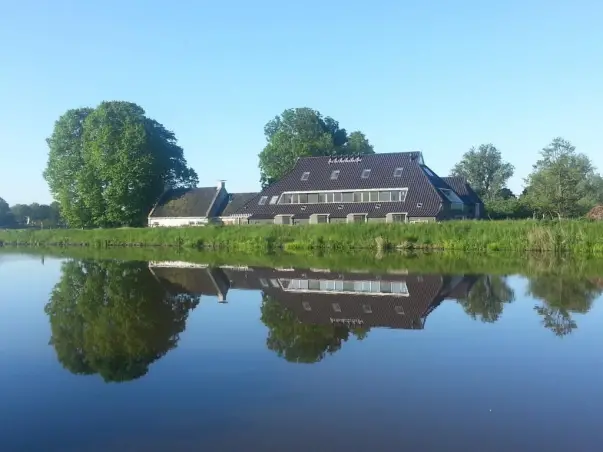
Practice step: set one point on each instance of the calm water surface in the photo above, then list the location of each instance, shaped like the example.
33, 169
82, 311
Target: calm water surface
139, 356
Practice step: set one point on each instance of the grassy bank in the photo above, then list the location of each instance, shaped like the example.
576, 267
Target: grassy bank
446, 262
518, 236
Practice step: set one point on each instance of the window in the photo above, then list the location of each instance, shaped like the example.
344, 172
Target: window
398, 218
335, 174
365, 174
330, 197
322, 197
286, 219
295, 198
403, 194
337, 197
264, 282
374, 196
305, 176
357, 196
303, 198
400, 287
273, 200
366, 196
399, 310
384, 196
286, 199
274, 283
263, 200
348, 197
398, 172
336, 307
322, 218
359, 218
306, 306
367, 308
313, 198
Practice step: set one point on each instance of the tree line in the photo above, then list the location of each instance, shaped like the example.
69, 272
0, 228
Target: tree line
33, 215
108, 165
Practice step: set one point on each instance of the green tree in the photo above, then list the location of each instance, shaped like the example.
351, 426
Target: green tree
114, 318
563, 183
487, 298
21, 212
562, 295
300, 342
303, 132
107, 166
485, 170
6, 216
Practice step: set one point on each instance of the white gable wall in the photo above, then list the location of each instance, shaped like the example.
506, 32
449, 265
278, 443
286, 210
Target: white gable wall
155, 222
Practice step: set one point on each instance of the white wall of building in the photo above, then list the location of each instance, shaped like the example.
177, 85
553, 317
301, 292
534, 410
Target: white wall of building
177, 221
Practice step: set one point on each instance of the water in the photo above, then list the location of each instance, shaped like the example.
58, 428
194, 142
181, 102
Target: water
139, 356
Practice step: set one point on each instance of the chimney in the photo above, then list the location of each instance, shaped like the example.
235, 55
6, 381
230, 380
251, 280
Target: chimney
221, 184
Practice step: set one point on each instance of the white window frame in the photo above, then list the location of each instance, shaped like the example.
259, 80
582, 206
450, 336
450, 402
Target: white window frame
390, 216
335, 174
351, 216
305, 176
273, 200
331, 194
262, 201
398, 172
365, 173
283, 216
318, 215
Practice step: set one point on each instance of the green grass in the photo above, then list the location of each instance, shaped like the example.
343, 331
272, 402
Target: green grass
577, 236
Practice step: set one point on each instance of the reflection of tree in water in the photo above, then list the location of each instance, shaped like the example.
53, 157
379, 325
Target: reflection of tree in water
562, 295
113, 318
300, 342
487, 298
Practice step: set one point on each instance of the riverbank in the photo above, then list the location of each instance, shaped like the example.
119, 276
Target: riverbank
577, 236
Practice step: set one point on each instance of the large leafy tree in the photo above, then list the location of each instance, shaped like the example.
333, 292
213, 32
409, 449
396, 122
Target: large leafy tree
114, 318
304, 132
6, 217
300, 342
563, 183
107, 166
562, 295
487, 298
485, 170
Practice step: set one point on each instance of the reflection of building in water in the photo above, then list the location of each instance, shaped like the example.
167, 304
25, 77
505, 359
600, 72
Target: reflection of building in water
322, 297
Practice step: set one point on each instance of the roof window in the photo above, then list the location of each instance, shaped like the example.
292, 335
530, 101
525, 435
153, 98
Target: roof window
305, 176
365, 173
273, 200
335, 175
398, 172
263, 200
428, 172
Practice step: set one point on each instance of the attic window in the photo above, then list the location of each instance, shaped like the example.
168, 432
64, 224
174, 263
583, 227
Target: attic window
273, 200
366, 173
335, 175
305, 176
262, 201
398, 172
428, 172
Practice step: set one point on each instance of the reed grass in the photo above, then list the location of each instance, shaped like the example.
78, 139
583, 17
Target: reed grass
577, 236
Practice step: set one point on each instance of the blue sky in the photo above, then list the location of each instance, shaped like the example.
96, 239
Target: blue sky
439, 76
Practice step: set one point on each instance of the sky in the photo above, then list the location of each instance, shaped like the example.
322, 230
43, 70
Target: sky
434, 76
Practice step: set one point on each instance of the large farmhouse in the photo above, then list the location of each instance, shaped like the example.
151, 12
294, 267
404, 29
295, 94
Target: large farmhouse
394, 187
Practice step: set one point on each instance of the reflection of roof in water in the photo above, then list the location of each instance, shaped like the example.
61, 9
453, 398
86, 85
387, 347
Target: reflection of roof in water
321, 297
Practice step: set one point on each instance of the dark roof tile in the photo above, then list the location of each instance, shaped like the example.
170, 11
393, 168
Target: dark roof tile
463, 189
236, 201
185, 202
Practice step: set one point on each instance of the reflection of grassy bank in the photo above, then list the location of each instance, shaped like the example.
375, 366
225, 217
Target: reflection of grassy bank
440, 262
570, 235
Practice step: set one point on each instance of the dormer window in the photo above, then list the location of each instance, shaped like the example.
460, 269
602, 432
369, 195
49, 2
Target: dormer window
335, 175
305, 176
263, 200
398, 172
365, 174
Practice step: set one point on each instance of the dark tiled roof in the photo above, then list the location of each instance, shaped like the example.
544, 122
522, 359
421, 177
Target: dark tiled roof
236, 201
421, 188
463, 189
209, 281
185, 202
